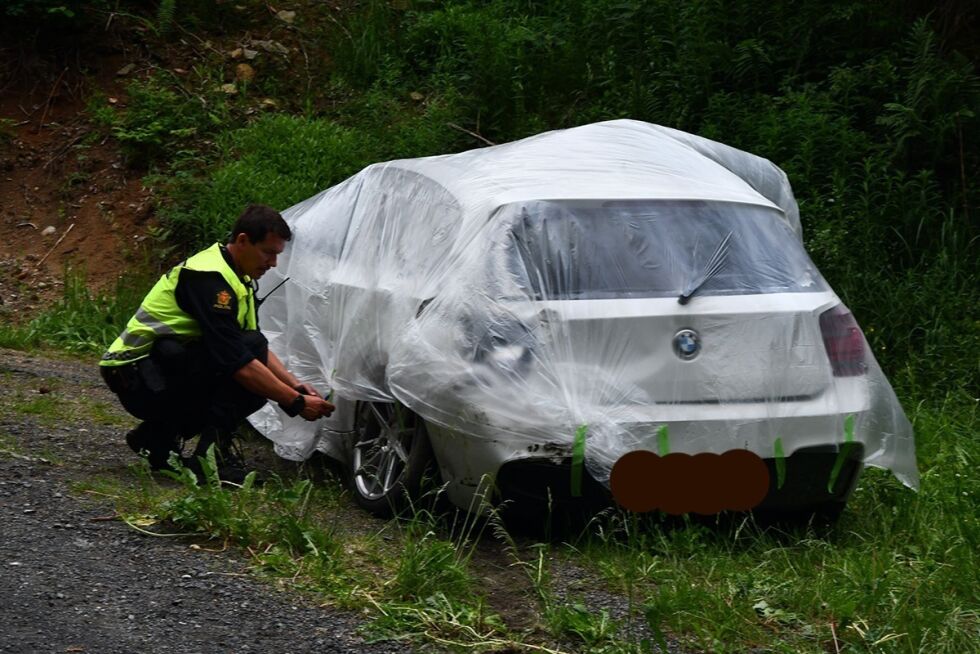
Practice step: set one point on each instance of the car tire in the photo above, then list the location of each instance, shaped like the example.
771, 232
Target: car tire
390, 457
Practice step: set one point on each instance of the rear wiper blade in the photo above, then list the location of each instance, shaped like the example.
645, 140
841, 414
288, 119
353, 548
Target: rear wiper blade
715, 264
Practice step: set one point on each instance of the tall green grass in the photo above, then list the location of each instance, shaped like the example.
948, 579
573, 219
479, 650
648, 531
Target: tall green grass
81, 321
898, 574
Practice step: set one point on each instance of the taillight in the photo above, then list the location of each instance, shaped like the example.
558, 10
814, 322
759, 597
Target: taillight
844, 342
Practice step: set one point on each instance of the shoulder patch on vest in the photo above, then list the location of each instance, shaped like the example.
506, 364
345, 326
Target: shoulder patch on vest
223, 300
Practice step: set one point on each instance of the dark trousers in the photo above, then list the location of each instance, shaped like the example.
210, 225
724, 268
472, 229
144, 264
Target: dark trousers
178, 392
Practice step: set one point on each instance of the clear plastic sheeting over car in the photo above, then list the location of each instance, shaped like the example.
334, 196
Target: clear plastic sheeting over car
641, 286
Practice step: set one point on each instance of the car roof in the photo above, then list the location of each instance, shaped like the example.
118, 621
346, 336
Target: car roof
619, 159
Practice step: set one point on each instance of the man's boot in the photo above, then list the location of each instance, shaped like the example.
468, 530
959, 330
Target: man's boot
155, 441
227, 454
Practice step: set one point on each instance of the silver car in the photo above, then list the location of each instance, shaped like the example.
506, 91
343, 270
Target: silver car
529, 317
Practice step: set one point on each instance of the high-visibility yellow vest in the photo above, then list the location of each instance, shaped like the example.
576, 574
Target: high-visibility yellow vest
159, 314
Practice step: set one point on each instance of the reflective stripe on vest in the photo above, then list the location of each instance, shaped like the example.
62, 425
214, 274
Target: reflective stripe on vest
159, 315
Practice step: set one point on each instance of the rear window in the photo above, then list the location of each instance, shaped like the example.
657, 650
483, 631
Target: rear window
658, 248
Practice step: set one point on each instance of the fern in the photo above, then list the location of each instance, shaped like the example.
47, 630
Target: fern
165, 16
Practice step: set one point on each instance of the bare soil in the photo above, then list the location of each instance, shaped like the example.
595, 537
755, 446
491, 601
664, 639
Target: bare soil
68, 197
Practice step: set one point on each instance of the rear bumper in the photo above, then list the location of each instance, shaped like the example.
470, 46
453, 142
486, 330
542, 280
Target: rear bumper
811, 478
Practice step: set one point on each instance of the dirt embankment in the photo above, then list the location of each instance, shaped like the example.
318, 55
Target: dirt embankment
68, 198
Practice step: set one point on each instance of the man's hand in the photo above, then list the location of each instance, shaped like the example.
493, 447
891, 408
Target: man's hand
316, 408
307, 389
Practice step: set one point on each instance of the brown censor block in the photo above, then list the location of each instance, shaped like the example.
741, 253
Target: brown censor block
681, 483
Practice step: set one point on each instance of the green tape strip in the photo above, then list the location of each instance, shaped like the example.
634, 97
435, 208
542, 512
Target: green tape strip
663, 441
780, 463
843, 453
578, 459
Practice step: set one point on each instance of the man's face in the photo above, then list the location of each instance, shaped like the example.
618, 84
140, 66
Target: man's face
256, 258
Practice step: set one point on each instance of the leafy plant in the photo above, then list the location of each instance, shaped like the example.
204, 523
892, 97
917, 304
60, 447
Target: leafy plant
165, 16
81, 321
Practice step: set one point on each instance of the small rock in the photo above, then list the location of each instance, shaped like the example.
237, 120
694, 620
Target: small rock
250, 54
126, 70
48, 231
244, 73
112, 100
286, 16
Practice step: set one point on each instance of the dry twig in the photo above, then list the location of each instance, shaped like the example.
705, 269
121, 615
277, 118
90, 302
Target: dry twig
47, 104
471, 133
53, 247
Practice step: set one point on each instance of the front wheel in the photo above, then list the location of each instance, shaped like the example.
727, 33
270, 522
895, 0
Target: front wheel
391, 454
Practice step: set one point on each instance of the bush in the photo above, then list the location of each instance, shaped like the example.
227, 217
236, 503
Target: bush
159, 121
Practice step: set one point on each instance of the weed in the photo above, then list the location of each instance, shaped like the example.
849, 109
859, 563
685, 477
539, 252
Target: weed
7, 126
80, 322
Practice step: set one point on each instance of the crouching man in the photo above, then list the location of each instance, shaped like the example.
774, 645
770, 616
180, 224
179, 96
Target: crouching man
192, 359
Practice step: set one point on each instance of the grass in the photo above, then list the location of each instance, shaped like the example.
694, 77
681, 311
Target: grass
103, 414
897, 574
48, 409
80, 322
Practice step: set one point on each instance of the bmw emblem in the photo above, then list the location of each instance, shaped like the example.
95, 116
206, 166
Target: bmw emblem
687, 344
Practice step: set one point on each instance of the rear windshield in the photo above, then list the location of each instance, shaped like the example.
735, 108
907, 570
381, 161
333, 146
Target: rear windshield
655, 249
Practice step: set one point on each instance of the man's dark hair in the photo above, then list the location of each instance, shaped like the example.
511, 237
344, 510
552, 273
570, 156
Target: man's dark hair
258, 220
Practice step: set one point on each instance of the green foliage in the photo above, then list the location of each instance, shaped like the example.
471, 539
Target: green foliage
427, 565
161, 120
280, 160
43, 9
165, 16
273, 517
6, 130
871, 114
898, 574
591, 627
81, 321
50, 24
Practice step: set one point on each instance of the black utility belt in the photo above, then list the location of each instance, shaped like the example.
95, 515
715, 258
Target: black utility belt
140, 375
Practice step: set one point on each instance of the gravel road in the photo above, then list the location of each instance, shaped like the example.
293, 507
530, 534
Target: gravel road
74, 580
